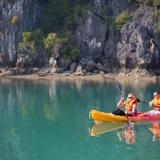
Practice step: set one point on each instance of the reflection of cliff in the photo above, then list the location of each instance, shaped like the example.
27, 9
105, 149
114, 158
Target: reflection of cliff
52, 88
22, 106
38, 95
10, 121
12, 147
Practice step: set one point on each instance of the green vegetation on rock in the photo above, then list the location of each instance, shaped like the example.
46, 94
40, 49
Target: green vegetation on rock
27, 42
31, 40
122, 19
60, 17
68, 49
37, 36
50, 43
151, 2
15, 20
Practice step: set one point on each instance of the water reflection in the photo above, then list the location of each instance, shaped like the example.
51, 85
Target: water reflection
126, 132
155, 130
40, 118
102, 128
25, 96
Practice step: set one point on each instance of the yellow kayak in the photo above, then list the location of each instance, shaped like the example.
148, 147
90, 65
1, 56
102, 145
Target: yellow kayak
106, 117
109, 117
102, 128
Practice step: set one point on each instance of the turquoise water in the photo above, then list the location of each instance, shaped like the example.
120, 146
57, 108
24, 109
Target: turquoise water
48, 120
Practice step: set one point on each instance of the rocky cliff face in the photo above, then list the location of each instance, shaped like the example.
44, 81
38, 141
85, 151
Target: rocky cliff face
97, 41
16, 16
135, 46
102, 47
139, 44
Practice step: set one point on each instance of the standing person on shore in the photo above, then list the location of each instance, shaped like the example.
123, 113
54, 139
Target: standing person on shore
130, 105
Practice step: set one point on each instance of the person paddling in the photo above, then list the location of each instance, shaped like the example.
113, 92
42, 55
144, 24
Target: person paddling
130, 105
155, 103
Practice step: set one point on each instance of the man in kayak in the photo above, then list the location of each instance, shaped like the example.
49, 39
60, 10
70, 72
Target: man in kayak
155, 103
130, 105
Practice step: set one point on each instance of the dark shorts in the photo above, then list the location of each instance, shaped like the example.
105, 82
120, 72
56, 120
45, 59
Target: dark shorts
119, 112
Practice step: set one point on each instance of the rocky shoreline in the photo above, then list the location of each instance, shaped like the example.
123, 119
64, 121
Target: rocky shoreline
114, 38
46, 73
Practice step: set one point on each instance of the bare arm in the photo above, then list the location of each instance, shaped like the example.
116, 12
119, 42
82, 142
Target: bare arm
134, 109
151, 103
121, 103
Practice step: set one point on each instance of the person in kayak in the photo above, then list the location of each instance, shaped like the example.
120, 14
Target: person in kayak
155, 103
130, 105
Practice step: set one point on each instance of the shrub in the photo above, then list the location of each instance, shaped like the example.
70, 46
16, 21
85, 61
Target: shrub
156, 2
69, 48
37, 36
151, 2
122, 19
15, 20
157, 13
50, 42
27, 42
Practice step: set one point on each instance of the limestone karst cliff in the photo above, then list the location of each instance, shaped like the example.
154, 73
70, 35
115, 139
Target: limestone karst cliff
16, 16
109, 36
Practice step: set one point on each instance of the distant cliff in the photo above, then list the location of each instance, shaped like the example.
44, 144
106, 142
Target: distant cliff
16, 16
94, 35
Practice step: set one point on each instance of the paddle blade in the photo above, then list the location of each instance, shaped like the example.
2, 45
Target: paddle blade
119, 88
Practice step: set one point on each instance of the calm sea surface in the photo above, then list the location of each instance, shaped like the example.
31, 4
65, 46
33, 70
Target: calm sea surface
49, 120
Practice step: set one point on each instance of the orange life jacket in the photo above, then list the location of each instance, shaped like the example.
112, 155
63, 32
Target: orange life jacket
156, 102
129, 104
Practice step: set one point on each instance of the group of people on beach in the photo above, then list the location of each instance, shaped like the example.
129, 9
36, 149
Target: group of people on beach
131, 105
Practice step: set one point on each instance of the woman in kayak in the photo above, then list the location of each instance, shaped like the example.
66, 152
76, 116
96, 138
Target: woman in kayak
155, 103
130, 105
